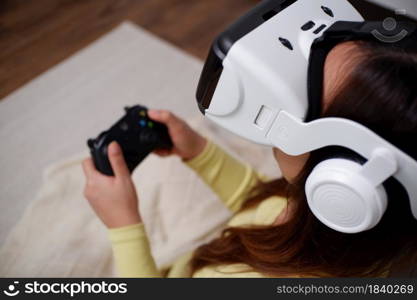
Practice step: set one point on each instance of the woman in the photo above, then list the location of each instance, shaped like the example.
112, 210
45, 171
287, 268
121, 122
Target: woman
273, 233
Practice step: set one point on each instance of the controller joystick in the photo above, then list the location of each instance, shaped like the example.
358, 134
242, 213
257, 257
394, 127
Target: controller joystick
137, 136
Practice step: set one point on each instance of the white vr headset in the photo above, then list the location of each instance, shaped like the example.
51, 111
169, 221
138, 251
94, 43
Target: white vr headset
263, 81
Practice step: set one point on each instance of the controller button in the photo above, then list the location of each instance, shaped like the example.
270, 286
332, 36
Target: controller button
142, 123
148, 137
150, 124
142, 113
124, 126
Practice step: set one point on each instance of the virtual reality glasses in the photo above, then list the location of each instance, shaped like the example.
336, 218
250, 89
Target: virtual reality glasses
263, 81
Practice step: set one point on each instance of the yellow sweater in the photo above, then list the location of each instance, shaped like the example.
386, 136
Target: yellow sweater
231, 181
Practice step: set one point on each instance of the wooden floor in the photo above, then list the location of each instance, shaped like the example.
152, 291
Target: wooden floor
37, 34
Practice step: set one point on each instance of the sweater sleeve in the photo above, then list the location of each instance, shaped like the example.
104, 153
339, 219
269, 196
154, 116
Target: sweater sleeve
229, 178
132, 252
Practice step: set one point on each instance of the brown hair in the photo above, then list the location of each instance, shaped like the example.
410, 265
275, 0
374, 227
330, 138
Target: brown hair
381, 93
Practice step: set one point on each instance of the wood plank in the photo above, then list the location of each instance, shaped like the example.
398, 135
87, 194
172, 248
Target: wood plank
37, 34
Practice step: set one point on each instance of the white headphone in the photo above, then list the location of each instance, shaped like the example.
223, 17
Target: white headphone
343, 194
343, 198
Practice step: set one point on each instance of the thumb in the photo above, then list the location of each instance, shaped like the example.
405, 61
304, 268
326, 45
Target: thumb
166, 117
117, 160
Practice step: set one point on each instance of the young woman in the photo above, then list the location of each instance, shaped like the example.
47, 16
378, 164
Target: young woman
273, 233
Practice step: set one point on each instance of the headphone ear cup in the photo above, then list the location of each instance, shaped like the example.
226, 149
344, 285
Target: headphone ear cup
342, 198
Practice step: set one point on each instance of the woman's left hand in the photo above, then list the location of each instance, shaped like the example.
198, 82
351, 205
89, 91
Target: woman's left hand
113, 198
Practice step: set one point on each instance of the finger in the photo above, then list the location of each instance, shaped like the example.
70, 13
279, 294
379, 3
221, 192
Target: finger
162, 152
88, 167
117, 160
166, 117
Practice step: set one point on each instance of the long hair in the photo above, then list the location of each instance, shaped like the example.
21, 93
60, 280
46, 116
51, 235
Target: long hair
380, 93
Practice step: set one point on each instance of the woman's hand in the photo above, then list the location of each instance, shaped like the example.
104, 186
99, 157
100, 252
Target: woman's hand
113, 199
187, 143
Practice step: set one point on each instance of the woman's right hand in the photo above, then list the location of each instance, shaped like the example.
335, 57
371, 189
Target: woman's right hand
187, 142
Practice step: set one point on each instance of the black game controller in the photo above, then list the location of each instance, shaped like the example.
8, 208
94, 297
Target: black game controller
136, 134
